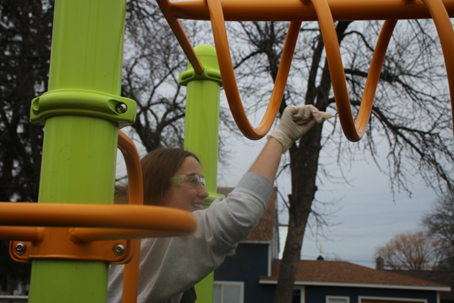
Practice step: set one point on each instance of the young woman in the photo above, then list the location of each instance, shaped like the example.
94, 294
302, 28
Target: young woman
174, 178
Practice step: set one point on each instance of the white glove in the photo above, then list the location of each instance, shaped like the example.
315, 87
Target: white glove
295, 122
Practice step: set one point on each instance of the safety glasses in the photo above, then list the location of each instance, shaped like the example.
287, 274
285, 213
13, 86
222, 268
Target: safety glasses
194, 180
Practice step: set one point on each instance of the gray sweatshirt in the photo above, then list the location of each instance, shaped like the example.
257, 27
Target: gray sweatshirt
170, 266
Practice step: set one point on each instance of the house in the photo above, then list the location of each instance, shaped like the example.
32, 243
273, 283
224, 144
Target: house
251, 272
442, 277
345, 282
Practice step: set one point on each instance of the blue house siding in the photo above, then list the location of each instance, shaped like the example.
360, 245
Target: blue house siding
247, 265
318, 294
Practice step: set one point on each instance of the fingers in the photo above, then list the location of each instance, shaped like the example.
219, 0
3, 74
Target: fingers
321, 117
303, 114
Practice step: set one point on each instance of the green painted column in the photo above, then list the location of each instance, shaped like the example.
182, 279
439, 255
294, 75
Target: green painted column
82, 112
202, 130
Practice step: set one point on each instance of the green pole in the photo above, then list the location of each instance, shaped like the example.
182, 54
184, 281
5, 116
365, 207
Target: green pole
202, 130
81, 112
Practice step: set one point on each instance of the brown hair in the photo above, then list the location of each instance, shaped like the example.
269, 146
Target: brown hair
158, 167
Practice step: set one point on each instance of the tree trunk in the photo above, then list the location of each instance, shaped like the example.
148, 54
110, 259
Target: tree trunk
304, 164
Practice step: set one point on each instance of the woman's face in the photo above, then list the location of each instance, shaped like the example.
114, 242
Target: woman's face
184, 195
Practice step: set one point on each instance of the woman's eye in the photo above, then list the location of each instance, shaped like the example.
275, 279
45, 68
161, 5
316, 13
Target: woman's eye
192, 179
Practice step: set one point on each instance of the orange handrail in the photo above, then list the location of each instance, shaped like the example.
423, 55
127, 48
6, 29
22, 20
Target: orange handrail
24, 233
325, 11
446, 34
135, 192
352, 132
304, 10
181, 36
228, 75
150, 218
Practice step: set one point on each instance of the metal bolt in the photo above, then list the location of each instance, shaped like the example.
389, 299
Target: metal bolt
122, 108
21, 248
119, 249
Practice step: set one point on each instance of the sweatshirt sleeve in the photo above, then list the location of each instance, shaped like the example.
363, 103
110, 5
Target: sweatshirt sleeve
170, 266
230, 220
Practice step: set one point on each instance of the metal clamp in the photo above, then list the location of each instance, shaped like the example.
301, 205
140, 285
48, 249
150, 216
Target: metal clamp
114, 108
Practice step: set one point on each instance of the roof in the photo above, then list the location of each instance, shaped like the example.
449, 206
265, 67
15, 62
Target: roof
346, 274
442, 277
264, 229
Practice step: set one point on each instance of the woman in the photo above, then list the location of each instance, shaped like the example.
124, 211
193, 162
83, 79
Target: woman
174, 178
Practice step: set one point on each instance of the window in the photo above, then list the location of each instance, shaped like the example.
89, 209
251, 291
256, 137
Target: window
337, 300
228, 292
298, 295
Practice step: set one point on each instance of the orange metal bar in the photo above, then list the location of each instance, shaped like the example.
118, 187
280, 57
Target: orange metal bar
301, 10
446, 34
228, 75
352, 132
86, 235
325, 11
135, 192
105, 216
181, 36
11, 233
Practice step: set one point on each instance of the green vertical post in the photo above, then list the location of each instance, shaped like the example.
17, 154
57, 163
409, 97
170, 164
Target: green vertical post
81, 118
202, 130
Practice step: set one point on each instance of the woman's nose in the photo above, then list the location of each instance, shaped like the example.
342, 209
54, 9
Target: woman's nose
203, 193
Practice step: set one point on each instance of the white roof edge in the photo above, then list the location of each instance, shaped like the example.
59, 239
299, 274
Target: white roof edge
363, 285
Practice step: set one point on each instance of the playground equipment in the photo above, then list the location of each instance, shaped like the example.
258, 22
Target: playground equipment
70, 244
325, 11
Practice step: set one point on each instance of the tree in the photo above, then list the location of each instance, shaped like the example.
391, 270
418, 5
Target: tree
439, 225
408, 251
25, 40
152, 63
411, 110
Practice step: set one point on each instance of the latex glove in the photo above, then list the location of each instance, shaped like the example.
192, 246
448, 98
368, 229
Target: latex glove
295, 122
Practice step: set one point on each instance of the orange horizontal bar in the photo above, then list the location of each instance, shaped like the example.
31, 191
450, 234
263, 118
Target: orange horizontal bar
105, 216
98, 234
22, 233
301, 10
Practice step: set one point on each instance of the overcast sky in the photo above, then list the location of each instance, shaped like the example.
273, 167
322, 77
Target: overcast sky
364, 215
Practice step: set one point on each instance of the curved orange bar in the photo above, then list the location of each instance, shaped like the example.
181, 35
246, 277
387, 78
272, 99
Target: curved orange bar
135, 192
353, 132
181, 36
446, 34
319, 9
228, 75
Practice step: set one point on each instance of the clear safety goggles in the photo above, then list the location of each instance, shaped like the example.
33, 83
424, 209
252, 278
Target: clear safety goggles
194, 180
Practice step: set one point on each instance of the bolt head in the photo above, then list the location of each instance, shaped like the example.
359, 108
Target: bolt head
20, 248
119, 249
122, 108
